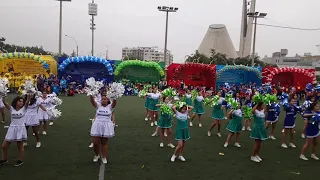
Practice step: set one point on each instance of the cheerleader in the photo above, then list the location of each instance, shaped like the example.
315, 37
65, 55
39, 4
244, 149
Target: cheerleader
50, 96
146, 105
259, 132
198, 109
153, 109
272, 119
32, 120
187, 98
2, 112
218, 115
182, 131
289, 123
234, 126
247, 120
309, 100
17, 131
43, 115
312, 132
102, 128
165, 123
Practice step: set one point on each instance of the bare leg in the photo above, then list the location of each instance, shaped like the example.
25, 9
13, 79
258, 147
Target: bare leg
5, 147
214, 123
169, 134
21, 150
36, 134
229, 137
284, 135
291, 135
161, 135
314, 147
104, 147
219, 126
238, 137
96, 145
306, 145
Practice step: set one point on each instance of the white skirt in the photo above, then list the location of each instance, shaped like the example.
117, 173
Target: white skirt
16, 134
102, 129
43, 115
32, 120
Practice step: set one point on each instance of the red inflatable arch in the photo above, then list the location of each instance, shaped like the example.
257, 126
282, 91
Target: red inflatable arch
192, 74
288, 76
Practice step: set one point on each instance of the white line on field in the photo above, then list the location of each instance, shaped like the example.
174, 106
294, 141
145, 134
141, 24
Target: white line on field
101, 171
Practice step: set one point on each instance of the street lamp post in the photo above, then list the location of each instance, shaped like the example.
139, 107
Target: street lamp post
167, 10
60, 27
93, 11
75, 42
255, 16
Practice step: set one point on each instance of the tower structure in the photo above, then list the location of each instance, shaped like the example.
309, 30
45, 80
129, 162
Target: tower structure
246, 28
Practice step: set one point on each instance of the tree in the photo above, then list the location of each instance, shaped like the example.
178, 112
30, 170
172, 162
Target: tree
199, 58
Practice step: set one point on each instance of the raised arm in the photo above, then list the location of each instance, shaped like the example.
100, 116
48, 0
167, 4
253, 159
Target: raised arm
114, 103
189, 108
174, 108
5, 103
254, 108
26, 104
93, 102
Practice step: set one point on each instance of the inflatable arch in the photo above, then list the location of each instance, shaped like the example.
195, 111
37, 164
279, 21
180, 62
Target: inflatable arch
239, 67
82, 59
24, 55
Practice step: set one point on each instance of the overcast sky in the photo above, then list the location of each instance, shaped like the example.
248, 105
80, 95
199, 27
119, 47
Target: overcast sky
128, 23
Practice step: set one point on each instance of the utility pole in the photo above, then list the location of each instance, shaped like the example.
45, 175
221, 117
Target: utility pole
60, 27
93, 11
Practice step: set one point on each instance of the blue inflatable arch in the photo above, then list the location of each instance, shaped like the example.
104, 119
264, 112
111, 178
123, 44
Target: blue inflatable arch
81, 59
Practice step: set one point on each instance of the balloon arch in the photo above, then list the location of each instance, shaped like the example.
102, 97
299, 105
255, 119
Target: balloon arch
24, 55
82, 59
239, 67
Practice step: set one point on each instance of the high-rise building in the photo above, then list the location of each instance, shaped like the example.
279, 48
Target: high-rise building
246, 28
217, 38
146, 53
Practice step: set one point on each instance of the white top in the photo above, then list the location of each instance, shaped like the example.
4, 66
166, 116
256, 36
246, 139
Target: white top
188, 95
46, 103
104, 114
154, 95
237, 113
259, 114
182, 116
221, 99
17, 117
33, 109
199, 98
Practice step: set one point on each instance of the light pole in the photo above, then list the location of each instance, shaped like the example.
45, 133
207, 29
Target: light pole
167, 10
93, 11
255, 16
107, 51
75, 42
60, 27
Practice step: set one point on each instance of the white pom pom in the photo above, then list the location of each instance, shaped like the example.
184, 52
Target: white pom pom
56, 101
93, 86
53, 112
29, 88
3, 87
115, 91
38, 94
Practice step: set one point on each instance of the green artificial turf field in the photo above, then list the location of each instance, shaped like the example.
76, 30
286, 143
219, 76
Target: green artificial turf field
134, 154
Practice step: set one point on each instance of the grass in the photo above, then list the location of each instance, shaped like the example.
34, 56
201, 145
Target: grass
134, 154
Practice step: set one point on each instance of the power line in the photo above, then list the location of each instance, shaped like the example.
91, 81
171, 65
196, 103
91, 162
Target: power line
287, 27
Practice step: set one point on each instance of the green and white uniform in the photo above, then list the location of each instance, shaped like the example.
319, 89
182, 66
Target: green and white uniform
154, 100
182, 130
217, 112
198, 105
235, 124
259, 130
165, 120
188, 99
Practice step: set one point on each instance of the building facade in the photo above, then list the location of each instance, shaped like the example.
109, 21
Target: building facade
146, 53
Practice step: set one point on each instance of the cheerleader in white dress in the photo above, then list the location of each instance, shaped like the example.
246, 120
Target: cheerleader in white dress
16, 131
102, 128
2, 112
32, 119
50, 96
43, 115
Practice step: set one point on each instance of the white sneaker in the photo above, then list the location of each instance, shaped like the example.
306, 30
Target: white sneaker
146, 119
248, 129
188, 117
51, 123
303, 136
173, 158
284, 145
292, 145
181, 158
165, 134
91, 145
156, 123
25, 144
44, 133
255, 159
259, 158
190, 124
219, 135
225, 145
272, 137
38, 144
151, 124
96, 158
243, 128
313, 156
154, 134
200, 125
209, 133
282, 130
170, 145
161, 145
303, 157
237, 145
33, 134
104, 160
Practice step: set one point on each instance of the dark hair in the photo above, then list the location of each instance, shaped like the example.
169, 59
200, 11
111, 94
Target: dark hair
260, 104
164, 98
312, 106
32, 100
109, 102
182, 107
290, 99
15, 100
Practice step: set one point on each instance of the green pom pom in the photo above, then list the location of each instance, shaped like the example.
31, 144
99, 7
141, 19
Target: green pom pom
166, 109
